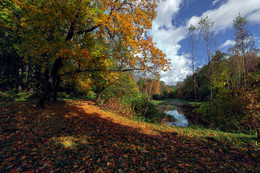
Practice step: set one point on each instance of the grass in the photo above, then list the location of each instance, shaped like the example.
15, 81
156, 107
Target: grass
233, 139
173, 101
77, 136
158, 102
16, 96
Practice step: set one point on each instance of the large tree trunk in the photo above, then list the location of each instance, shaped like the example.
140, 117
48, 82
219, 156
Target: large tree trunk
31, 87
54, 79
50, 89
56, 89
52, 84
26, 77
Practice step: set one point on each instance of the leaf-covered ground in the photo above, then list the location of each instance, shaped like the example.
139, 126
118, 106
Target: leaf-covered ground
77, 136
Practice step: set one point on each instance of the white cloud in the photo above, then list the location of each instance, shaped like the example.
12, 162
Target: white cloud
167, 38
168, 41
215, 2
224, 15
257, 41
254, 16
166, 11
194, 20
228, 43
180, 69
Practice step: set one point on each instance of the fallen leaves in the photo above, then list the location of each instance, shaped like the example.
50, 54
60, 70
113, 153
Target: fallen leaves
77, 136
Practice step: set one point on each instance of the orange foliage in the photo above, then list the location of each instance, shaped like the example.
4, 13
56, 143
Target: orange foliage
87, 35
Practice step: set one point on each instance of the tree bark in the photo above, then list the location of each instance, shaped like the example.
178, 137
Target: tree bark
53, 80
20, 77
50, 88
31, 89
45, 88
26, 76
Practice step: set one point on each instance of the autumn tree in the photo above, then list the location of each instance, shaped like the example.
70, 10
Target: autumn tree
10, 61
205, 27
244, 42
220, 70
192, 30
251, 97
70, 37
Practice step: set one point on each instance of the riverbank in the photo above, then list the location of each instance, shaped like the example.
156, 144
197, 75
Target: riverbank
182, 111
77, 136
174, 101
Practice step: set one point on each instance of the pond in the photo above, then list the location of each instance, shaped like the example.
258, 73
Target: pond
182, 112
182, 121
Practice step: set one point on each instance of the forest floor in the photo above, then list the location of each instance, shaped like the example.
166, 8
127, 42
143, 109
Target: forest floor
77, 136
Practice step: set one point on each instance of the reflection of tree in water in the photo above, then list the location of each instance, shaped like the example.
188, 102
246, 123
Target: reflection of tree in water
188, 112
165, 108
180, 110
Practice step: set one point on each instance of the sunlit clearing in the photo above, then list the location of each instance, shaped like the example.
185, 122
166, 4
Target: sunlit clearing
66, 142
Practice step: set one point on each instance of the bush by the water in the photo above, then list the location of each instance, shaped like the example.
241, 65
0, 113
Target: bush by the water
157, 96
134, 106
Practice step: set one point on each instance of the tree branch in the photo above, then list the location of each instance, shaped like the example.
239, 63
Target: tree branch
89, 30
99, 70
97, 26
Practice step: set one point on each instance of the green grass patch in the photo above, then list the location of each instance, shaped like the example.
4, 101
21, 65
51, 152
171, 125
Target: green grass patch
158, 102
173, 101
224, 138
16, 96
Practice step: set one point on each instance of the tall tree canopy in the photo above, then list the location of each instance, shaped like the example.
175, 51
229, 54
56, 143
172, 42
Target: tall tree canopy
72, 36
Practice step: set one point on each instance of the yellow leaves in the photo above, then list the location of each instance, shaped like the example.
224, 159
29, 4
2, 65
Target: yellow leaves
142, 168
67, 142
24, 24
185, 165
119, 36
34, 149
64, 52
253, 155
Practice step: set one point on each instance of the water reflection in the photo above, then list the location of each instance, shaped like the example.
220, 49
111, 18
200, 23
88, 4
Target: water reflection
181, 119
176, 111
184, 113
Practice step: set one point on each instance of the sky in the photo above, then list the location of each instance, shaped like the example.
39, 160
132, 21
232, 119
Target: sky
175, 16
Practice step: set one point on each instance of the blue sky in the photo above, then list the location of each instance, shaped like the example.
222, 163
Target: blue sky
175, 16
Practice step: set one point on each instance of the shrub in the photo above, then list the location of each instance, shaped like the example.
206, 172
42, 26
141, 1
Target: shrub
156, 96
143, 107
225, 113
138, 106
116, 106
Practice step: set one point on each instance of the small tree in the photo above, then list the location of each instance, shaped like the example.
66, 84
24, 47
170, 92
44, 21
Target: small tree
251, 97
244, 42
191, 30
205, 27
